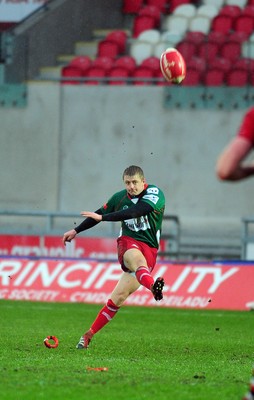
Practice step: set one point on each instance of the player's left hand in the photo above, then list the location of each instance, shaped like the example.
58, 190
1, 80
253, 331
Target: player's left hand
89, 214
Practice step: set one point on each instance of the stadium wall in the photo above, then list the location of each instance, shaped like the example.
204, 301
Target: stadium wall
67, 149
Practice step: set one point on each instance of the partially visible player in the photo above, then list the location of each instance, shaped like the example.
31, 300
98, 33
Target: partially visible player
140, 207
230, 165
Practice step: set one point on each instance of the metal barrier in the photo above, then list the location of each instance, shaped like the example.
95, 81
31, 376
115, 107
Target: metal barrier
170, 233
248, 238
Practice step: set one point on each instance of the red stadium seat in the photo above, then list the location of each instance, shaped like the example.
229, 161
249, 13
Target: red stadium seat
232, 11
249, 10
153, 63
120, 37
103, 62
237, 36
162, 5
120, 76
216, 37
70, 75
151, 11
237, 77
127, 62
82, 62
231, 50
142, 76
187, 49
142, 23
222, 23
132, 6
220, 63
244, 23
197, 63
193, 77
214, 77
108, 48
195, 37
208, 50
96, 75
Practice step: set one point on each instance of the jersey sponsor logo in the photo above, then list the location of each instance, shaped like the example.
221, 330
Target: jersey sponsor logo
138, 224
151, 197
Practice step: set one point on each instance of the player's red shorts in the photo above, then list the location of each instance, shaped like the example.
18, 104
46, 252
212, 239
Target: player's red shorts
125, 243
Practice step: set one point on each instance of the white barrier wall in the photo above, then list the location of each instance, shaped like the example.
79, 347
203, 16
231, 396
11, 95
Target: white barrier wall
66, 151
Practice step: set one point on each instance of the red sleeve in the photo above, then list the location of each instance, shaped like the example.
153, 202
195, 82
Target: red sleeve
247, 127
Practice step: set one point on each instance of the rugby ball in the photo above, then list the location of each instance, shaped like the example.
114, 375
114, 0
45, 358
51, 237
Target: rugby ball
173, 66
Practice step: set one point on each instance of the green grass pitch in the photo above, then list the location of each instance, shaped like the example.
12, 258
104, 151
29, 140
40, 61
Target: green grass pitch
150, 353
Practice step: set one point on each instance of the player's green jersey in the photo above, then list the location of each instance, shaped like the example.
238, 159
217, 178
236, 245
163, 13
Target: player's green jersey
147, 228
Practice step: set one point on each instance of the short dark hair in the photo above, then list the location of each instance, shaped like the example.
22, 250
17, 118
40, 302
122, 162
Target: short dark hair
133, 170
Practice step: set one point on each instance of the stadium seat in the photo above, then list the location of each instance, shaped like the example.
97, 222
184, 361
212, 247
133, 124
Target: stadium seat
216, 3
142, 76
193, 77
237, 77
153, 63
249, 10
208, 50
120, 37
132, 6
118, 76
82, 62
231, 50
153, 12
244, 63
232, 11
214, 77
172, 37
95, 75
220, 63
108, 48
222, 23
176, 3
248, 49
239, 37
195, 37
140, 50
103, 62
185, 10
200, 23
162, 5
150, 35
207, 10
187, 49
70, 75
142, 23
244, 23
127, 62
197, 63
216, 37
240, 3
176, 23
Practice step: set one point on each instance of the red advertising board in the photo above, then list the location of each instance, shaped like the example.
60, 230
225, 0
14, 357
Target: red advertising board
191, 285
52, 246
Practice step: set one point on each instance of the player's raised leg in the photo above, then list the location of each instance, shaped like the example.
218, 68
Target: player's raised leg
125, 286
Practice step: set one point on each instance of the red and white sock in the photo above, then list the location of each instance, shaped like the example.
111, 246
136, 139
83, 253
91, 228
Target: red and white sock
105, 315
144, 277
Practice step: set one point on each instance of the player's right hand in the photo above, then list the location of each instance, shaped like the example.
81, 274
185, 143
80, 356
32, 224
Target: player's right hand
68, 236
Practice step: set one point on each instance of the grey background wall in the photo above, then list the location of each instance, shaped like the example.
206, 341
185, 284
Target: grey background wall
66, 152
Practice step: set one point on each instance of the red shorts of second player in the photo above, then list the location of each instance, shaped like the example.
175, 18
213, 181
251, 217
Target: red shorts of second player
125, 243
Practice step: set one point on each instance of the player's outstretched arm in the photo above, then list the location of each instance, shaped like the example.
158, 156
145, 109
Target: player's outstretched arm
68, 236
93, 215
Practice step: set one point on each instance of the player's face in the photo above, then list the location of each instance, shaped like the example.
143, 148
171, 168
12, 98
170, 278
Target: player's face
134, 184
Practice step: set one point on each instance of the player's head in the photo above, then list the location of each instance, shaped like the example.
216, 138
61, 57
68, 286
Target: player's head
134, 180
